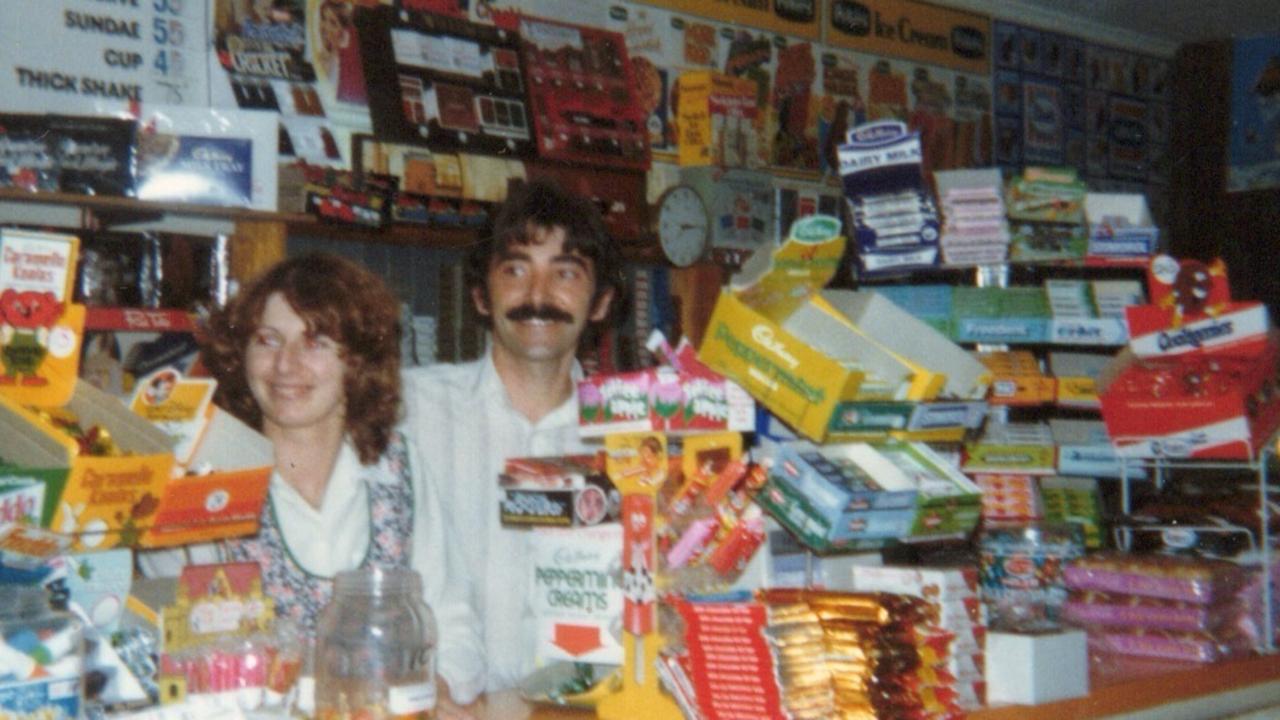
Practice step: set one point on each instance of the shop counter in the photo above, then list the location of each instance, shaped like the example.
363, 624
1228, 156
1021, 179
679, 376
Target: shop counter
1134, 687
1131, 685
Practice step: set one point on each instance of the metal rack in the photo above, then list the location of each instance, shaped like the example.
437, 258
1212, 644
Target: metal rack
1258, 465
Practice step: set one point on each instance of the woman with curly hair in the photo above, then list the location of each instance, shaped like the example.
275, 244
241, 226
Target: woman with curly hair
309, 353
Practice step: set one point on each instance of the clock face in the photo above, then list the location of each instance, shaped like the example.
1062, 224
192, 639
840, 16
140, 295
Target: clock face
683, 225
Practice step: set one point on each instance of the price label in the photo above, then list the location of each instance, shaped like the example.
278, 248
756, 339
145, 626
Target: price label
91, 58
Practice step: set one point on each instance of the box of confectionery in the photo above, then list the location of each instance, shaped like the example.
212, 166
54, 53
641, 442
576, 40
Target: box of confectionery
811, 356
838, 496
75, 458
560, 491
1198, 376
681, 396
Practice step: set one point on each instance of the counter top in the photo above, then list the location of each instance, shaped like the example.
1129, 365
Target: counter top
1123, 684
1119, 685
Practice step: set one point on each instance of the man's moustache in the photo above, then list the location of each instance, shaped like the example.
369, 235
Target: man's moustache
539, 312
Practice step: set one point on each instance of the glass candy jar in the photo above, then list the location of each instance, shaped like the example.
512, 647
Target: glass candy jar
41, 657
1020, 571
375, 648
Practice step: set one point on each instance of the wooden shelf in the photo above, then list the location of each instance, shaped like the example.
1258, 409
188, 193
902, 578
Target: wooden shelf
258, 238
131, 213
123, 207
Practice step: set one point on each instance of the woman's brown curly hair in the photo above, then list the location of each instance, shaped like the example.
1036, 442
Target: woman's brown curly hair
335, 298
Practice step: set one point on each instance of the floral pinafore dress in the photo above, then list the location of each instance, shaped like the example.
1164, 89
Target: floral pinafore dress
299, 595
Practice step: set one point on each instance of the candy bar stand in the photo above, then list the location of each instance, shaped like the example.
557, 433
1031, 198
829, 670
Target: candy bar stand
1120, 686
1260, 465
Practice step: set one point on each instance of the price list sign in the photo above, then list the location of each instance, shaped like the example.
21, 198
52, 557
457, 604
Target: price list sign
95, 56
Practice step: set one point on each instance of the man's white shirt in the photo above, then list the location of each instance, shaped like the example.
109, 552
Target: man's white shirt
462, 426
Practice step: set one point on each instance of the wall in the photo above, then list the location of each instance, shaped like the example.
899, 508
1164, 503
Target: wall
1205, 221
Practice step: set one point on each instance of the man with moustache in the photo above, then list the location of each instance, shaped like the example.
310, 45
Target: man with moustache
546, 275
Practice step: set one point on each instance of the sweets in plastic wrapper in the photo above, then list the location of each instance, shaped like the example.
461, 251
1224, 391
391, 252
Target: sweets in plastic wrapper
1251, 620
1193, 580
256, 671
1167, 644
92, 441
1136, 611
712, 528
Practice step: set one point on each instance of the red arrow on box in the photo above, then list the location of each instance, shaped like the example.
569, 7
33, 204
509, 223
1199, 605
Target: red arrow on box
577, 639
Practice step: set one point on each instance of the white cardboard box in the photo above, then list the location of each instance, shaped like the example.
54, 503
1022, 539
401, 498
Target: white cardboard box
1034, 669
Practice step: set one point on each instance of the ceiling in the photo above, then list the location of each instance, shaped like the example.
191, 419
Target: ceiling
1157, 25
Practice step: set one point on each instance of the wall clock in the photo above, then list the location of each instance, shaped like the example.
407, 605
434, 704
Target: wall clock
684, 229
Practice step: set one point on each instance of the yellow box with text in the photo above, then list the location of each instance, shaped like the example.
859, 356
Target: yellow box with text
807, 354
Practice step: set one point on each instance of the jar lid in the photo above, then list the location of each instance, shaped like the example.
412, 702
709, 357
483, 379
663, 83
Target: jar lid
378, 581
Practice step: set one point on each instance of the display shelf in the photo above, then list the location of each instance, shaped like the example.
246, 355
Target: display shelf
73, 210
1259, 465
255, 239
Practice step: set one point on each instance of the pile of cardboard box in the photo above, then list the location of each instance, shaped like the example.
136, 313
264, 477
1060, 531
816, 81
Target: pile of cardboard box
139, 495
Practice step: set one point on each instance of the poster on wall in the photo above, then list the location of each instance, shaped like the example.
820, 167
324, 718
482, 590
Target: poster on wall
1043, 129
300, 59
916, 31
661, 44
1062, 101
813, 93
1253, 149
261, 46
71, 56
335, 54
797, 18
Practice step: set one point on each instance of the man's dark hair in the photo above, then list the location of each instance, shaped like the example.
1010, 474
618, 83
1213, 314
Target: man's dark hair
542, 203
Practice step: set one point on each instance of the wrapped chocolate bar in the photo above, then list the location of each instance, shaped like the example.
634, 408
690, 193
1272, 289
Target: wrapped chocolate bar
851, 606
726, 668
872, 653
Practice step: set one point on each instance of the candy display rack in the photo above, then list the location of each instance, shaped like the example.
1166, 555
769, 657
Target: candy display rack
1260, 465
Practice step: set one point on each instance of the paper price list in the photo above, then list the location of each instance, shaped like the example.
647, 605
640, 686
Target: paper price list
103, 55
